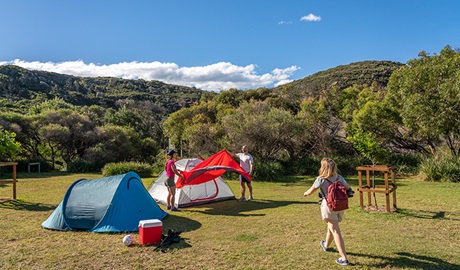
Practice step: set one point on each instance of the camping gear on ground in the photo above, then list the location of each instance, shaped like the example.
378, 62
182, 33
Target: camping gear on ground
166, 241
150, 231
212, 189
110, 204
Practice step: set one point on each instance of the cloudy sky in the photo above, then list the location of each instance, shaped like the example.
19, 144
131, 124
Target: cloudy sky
217, 45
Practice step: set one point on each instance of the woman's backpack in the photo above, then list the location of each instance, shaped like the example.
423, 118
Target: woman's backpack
337, 198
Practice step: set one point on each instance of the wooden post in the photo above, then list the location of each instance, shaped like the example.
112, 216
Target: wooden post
14, 182
368, 181
10, 181
360, 184
387, 193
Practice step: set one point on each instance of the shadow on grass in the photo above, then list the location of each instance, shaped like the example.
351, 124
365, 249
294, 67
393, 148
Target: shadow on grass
180, 224
424, 214
28, 206
408, 260
236, 208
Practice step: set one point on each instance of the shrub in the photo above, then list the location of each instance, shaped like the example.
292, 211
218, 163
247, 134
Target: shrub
405, 164
440, 169
82, 166
142, 169
23, 165
347, 164
159, 164
268, 170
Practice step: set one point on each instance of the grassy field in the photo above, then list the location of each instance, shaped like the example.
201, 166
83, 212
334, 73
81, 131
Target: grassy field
280, 229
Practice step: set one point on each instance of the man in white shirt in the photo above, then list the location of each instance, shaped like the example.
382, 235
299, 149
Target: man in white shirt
247, 163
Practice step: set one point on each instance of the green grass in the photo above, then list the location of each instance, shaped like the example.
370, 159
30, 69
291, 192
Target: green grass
279, 230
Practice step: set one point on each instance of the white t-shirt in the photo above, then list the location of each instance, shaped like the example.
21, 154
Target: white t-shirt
245, 161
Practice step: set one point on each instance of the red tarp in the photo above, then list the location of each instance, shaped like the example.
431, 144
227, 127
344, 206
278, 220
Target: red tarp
211, 168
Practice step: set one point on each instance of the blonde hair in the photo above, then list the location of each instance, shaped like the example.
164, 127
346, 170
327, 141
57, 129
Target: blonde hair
328, 168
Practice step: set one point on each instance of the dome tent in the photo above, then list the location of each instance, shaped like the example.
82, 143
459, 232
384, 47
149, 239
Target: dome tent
202, 183
109, 204
209, 191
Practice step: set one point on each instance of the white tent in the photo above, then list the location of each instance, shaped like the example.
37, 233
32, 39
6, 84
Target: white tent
211, 191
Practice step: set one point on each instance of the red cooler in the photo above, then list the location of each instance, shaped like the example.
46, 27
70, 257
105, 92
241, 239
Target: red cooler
150, 231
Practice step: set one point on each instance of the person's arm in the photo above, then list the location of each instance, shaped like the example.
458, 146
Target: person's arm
310, 191
251, 166
232, 154
173, 167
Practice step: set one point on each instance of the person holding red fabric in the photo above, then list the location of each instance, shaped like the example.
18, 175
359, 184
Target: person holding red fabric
247, 163
171, 172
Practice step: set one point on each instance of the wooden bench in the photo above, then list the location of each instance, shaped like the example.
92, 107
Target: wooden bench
10, 181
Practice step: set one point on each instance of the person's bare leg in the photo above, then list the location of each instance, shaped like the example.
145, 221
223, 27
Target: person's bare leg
168, 199
333, 226
329, 236
173, 197
243, 189
250, 188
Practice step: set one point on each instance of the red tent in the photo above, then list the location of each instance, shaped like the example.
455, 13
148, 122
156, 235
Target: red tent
211, 168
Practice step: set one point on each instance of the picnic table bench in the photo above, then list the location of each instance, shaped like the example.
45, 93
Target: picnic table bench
10, 181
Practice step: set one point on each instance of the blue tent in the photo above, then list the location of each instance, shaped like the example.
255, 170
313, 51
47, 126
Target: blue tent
110, 204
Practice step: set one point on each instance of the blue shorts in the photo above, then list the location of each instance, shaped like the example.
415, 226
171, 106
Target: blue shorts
244, 179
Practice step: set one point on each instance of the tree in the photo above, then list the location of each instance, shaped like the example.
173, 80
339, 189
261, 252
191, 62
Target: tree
9, 147
271, 132
426, 95
69, 133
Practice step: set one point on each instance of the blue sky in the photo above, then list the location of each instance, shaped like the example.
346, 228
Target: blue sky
216, 45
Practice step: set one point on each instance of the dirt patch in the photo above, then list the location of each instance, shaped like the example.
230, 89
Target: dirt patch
379, 209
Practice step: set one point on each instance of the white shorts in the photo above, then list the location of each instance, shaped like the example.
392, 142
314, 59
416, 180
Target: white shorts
326, 212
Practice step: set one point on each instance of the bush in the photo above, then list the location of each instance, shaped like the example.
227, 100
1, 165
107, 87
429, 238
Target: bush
405, 164
82, 166
440, 169
142, 169
347, 164
23, 165
268, 170
159, 164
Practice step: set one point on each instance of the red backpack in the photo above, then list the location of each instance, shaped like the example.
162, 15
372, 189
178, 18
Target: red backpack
337, 198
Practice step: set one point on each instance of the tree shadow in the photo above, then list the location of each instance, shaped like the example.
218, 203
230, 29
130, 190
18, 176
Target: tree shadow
237, 208
424, 214
27, 206
408, 260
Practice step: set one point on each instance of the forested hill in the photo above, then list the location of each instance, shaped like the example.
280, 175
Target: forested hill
365, 72
20, 88
19, 85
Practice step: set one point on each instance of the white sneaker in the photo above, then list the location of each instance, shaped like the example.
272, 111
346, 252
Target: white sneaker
250, 198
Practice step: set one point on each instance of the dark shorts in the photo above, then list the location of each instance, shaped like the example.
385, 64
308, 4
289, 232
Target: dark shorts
244, 179
169, 182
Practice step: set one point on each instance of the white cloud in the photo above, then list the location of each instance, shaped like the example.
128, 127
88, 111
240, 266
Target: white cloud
214, 77
284, 22
311, 18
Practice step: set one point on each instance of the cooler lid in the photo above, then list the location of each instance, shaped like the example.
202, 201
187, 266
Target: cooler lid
150, 223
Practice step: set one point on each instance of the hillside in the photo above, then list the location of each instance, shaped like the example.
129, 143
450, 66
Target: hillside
365, 72
18, 84
20, 88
